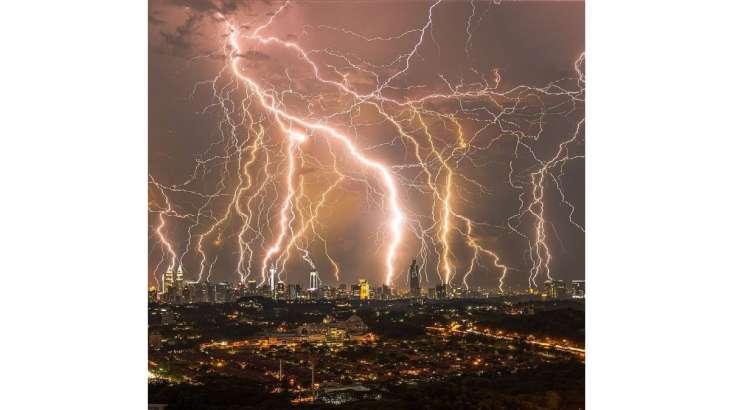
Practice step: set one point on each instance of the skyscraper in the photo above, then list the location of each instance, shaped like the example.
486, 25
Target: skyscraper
292, 291
272, 279
414, 280
442, 291
280, 290
386, 292
168, 280
555, 289
364, 289
179, 282
313, 280
578, 289
251, 287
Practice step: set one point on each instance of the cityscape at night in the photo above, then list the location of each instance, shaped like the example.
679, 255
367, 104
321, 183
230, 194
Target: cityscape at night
366, 204
212, 345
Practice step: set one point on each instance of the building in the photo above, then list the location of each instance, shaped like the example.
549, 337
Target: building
334, 331
556, 289
328, 292
179, 280
314, 281
168, 280
272, 279
414, 280
152, 295
342, 291
251, 288
280, 290
386, 292
578, 289
211, 292
173, 285
364, 289
355, 291
442, 291
432, 293
336, 395
223, 292
292, 291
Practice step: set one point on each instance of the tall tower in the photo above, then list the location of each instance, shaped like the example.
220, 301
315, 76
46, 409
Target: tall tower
414, 280
313, 280
364, 289
272, 279
168, 280
179, 277
179, 282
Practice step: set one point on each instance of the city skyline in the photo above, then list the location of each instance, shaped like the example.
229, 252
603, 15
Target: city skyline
403, 137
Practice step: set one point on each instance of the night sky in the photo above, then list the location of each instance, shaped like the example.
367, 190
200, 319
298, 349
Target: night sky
195, 155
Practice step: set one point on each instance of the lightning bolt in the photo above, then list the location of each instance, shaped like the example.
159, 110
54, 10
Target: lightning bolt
263, 201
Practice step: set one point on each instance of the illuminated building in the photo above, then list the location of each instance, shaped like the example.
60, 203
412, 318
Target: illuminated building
441, 291
377, 293
251, 287
313, 281
414, 280
364, 289
555, 289
168, 280
272, 279
152, 295
336, 395
173, 285
280, 290
187, 292
432, 293
342, 291
386, 293
459, 292
179, 277
293, 291
223, 292
578, 289
328, 292
211, 292
333, 331
355, 291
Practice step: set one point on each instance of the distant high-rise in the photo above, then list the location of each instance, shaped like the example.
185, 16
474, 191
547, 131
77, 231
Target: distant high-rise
251, 287
223, 292
313, 280
168, 280
555, 289
280, 290
292, 291
173, 284
272, 279
386, 292
364, 289
152, 295
578, 289
414, 280
442, 291
179, 282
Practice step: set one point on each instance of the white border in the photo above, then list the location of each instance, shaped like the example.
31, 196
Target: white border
74, 192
